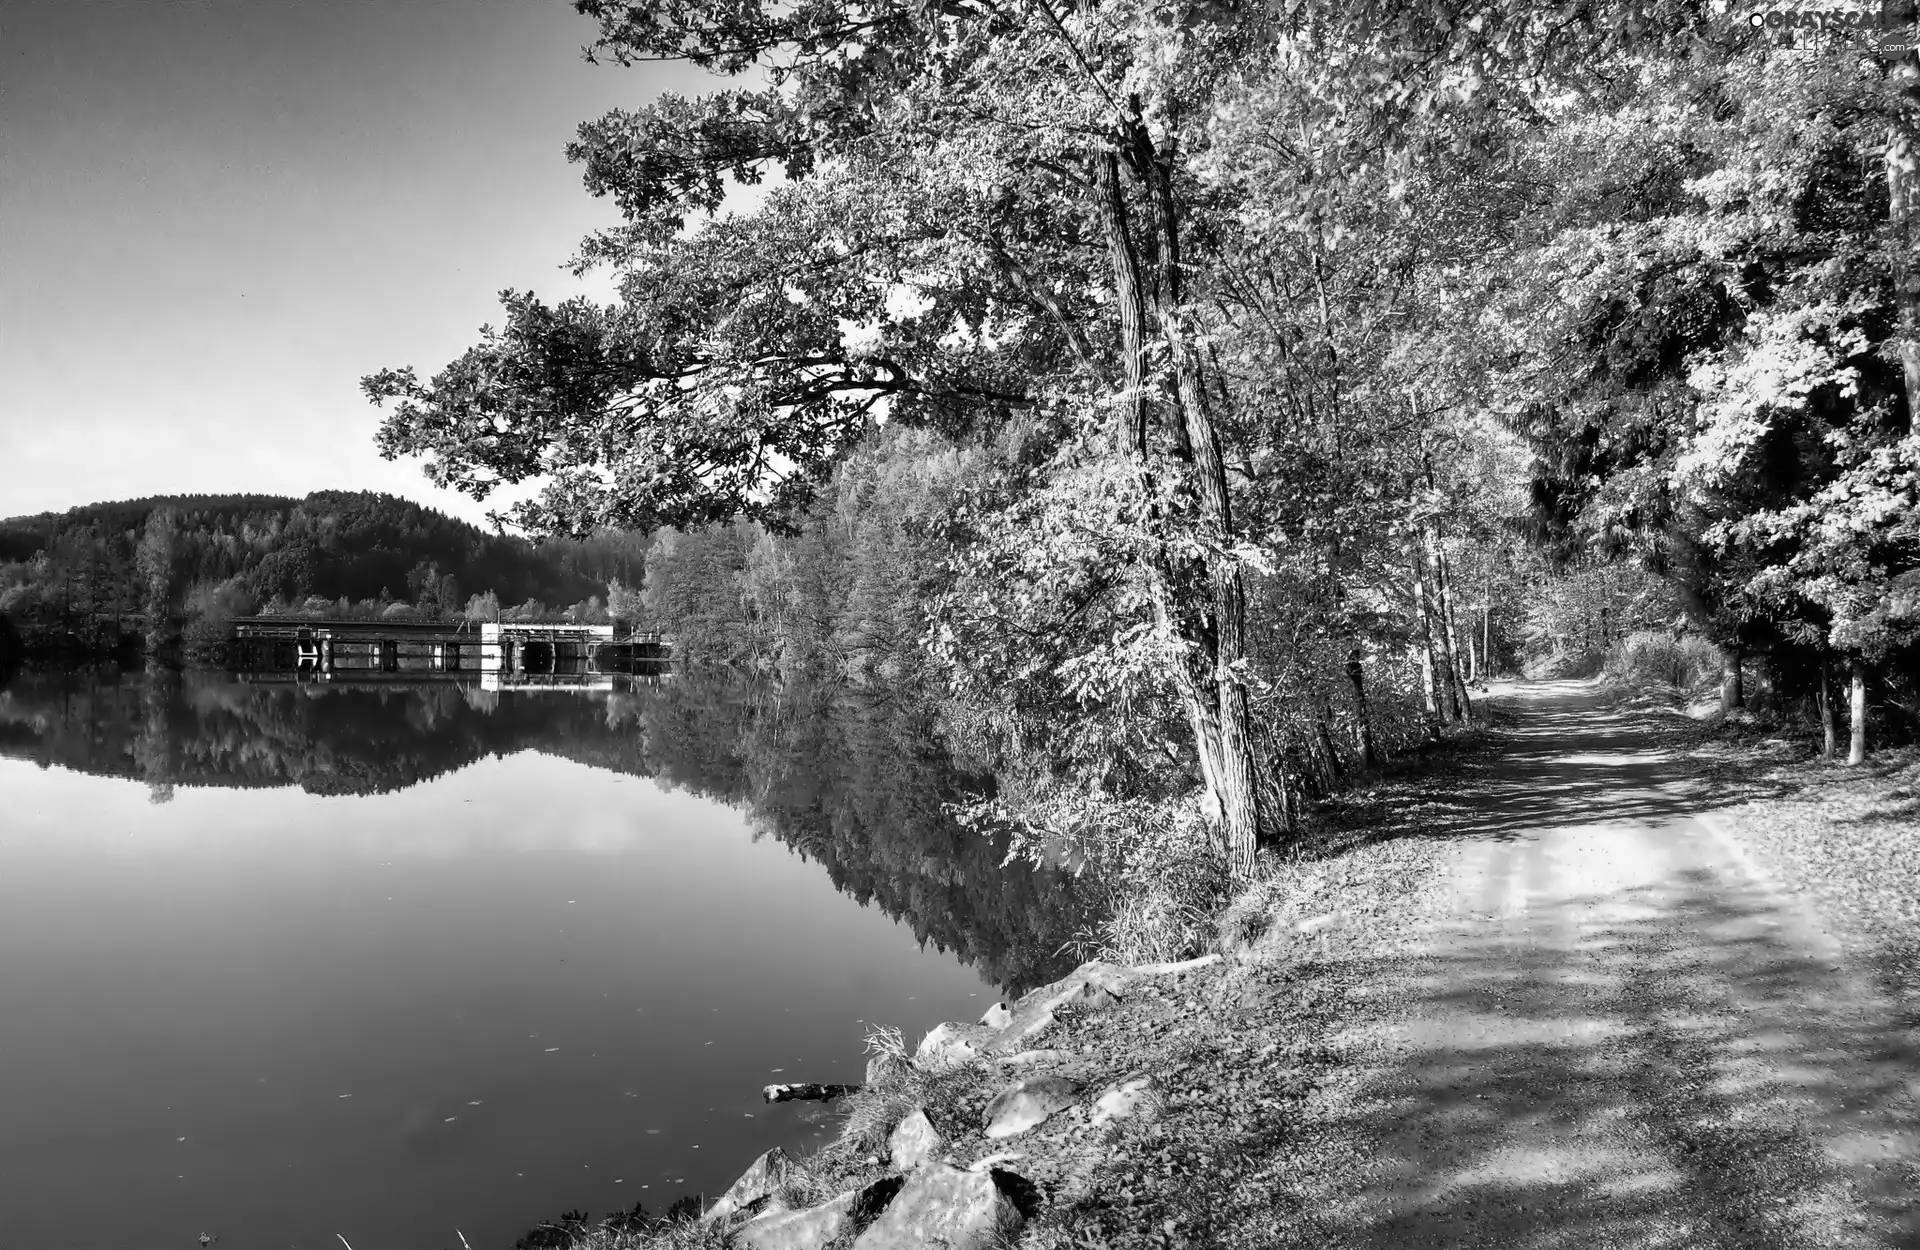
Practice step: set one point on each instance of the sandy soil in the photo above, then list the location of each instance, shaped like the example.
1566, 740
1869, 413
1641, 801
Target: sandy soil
1610, 1029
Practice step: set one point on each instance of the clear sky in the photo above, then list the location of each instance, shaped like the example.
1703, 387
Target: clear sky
216, 215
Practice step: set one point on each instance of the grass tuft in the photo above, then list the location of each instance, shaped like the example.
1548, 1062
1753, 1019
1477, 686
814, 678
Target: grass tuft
874, 1110
1245, 921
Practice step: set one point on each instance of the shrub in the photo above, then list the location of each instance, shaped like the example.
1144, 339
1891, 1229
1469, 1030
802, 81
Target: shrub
1652, 658
1566, 664
1164, 887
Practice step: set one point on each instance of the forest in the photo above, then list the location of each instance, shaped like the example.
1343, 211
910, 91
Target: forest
1197, 400
168, 573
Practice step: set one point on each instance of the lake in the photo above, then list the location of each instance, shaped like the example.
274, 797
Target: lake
284, 962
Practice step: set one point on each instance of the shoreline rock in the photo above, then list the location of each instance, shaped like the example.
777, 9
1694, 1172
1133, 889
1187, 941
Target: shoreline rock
943, 1205
913, 1141
1026, 1104
815, 1228
922, 1197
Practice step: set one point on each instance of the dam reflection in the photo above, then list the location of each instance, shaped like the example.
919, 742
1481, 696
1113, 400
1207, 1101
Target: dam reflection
509, 654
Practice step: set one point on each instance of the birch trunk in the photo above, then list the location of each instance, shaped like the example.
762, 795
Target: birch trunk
1857, 700
1429, 678
1827, 743
1486, 631
1449, 634
1903, 201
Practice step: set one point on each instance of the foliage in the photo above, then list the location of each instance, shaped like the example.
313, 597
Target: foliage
623, 601
1644, 659
1703, 336
844, 595
1201, 397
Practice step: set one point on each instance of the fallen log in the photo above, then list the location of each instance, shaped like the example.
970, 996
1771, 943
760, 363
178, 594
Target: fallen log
805, 1091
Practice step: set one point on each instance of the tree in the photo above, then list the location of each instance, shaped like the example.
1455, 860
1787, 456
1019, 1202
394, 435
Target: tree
623, 602
482, 609
726, 372
1717, 369
1223, 304
154, 559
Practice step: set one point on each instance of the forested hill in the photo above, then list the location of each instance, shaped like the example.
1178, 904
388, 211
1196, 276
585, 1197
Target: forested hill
178, 559
22, 536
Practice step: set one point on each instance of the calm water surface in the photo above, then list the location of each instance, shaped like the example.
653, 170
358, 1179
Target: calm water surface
279, 963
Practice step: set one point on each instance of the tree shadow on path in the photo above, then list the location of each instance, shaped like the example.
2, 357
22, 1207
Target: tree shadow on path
1613, 1036
1566, 756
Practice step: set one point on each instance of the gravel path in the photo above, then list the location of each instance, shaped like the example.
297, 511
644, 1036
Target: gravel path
1611, 1031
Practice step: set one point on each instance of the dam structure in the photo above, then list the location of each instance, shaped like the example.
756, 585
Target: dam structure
492, 654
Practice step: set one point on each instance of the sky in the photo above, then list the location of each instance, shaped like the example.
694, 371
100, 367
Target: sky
217, 215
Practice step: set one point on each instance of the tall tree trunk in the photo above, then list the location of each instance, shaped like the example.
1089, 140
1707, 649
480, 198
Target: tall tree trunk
1429, 674
1827, 744
1130, 437
1486, 623
1733, 690
1204, 606
1357, 674
1857, 701
1131, 302
1449, 636
1453, 633
1239, 764
1335, 769
1903, 204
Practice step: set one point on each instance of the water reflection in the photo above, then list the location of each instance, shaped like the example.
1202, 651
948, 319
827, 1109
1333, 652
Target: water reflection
280, 960
854, 783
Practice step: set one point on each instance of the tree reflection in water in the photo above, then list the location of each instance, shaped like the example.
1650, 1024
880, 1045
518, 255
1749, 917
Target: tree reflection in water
856, 783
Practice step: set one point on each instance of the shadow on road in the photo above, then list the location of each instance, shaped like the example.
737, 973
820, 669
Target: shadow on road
1658, 1066
1572, 757
1615, 1037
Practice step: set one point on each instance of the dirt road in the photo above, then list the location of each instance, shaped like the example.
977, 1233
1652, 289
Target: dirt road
1614, 1033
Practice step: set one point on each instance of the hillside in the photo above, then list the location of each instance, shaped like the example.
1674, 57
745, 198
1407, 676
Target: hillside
92, 574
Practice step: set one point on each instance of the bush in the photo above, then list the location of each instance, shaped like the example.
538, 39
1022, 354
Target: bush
1160, 877
1565, 665
1163, 892
1652, 658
